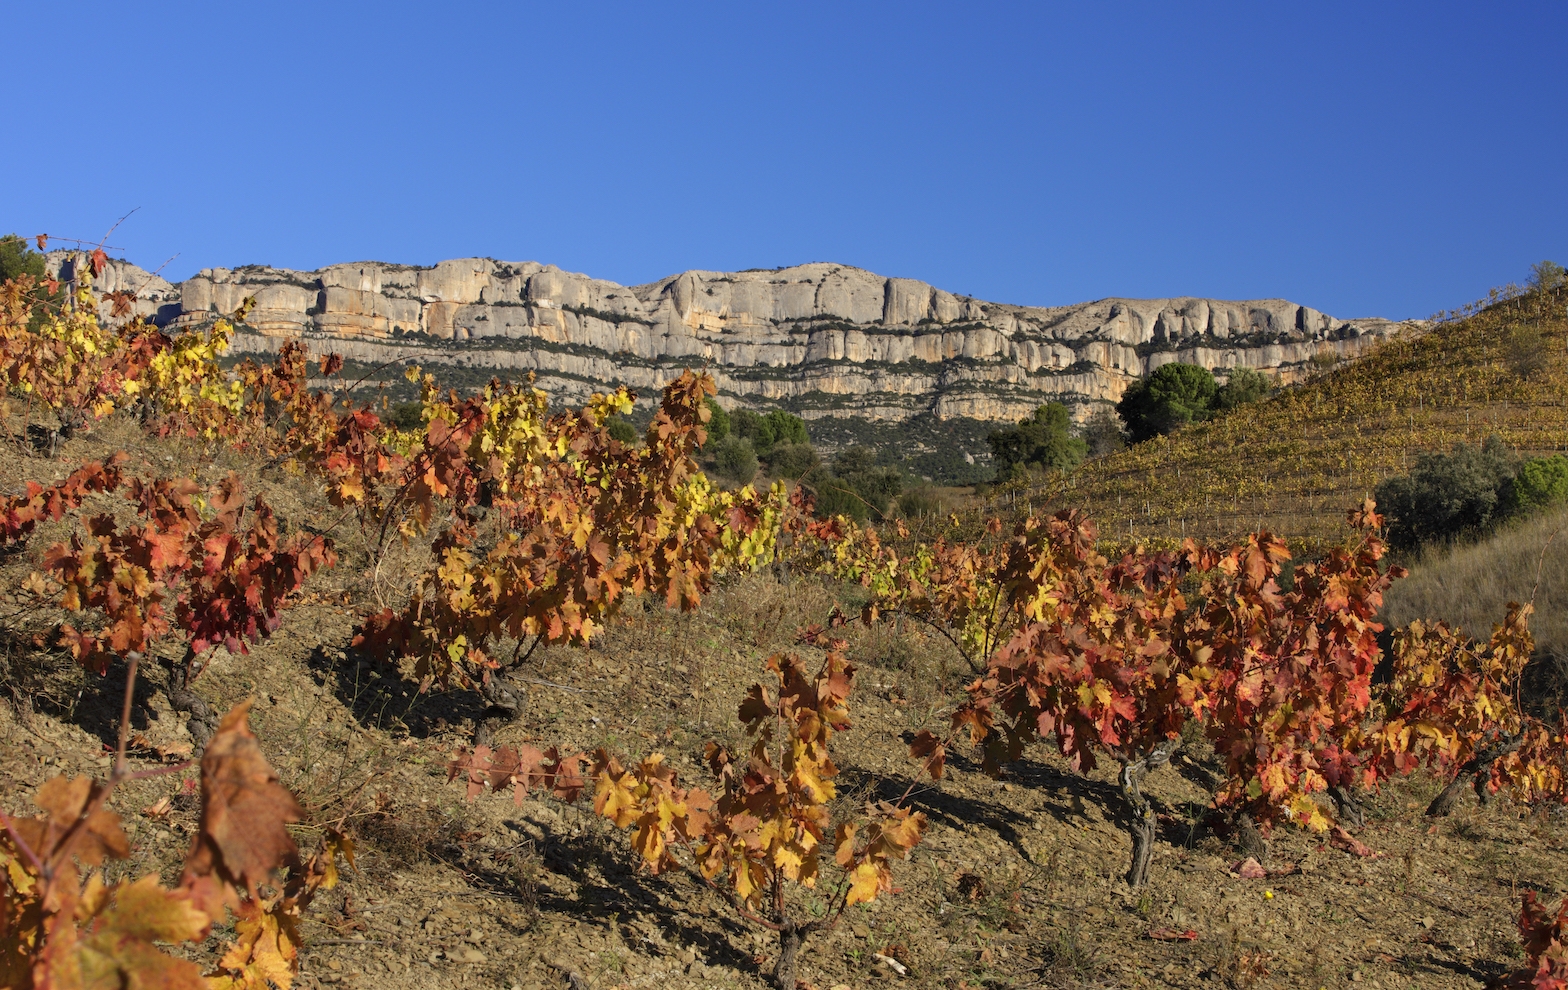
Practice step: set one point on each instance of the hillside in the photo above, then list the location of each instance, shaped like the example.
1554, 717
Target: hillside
1295, 462
829, 342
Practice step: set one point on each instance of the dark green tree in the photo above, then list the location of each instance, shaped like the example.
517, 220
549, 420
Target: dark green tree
718, 425
771, 428
16, 258
1043, 441
1173, 396
734, 459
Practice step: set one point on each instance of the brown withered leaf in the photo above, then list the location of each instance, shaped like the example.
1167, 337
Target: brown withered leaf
931, 749
242, 838
52, 839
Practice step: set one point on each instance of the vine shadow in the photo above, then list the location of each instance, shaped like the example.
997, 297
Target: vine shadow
378, 696
619, 889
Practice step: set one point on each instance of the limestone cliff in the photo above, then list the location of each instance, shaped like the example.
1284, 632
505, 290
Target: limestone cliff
820, 339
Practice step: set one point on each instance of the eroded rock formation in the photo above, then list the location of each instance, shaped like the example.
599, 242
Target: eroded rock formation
822, 339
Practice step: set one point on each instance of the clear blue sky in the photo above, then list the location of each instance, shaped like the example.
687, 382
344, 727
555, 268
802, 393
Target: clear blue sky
1363, 158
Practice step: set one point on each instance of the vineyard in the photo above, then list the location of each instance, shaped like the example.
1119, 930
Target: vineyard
298, 697
1293, 463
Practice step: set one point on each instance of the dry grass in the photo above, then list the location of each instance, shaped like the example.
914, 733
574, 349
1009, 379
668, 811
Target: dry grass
1471, 585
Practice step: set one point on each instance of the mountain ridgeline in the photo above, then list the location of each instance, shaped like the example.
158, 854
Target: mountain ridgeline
848, 350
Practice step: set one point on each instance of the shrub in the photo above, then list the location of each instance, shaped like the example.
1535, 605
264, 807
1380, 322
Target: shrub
921, 502
718, 424
408, 416
1447, 494
1042, 440
764, 431
1539, 483
623, 431
1243, 386
1546, 276
734, 458
1173, 396
857, 486
1103, 433
791, 460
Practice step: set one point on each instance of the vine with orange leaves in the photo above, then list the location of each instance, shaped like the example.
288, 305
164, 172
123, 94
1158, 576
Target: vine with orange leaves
560, 522
1120, 658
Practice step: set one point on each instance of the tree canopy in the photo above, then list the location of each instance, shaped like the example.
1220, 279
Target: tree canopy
1177, 394
1043, 441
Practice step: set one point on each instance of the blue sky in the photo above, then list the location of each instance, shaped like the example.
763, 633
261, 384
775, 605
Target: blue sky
1367, 159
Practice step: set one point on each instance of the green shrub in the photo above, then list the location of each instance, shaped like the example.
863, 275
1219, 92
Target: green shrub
1043, 440
734, 458
408, 416
921, 502
1539, 483
857, 485
791, 460
1173, 396
623, 431
1447, 494
718, 425
1243, 386
771, 428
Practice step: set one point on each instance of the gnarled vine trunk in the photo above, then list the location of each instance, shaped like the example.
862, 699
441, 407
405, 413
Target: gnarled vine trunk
1349, 808
1142, 820
790, 940
1476, 771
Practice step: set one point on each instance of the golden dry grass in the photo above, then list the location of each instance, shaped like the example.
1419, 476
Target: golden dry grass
1297, 461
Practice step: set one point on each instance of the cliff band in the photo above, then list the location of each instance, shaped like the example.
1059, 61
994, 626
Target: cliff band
819, 339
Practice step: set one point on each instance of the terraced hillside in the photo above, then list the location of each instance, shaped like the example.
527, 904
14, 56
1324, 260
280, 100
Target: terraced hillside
1296, 461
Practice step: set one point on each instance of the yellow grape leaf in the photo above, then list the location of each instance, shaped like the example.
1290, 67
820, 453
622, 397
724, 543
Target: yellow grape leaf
613, 799
265, 951
864, 883
121, 952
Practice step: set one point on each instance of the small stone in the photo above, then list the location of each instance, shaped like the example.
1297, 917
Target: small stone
1427, 922
470, 955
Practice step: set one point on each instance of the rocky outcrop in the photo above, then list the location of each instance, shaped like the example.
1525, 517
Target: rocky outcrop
822, 339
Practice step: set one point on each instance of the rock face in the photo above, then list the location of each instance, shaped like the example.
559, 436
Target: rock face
820, 339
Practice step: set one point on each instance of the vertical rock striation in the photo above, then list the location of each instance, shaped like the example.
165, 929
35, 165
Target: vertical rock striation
822, 339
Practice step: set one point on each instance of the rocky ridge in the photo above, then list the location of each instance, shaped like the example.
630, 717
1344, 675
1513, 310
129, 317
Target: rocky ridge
819, 339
